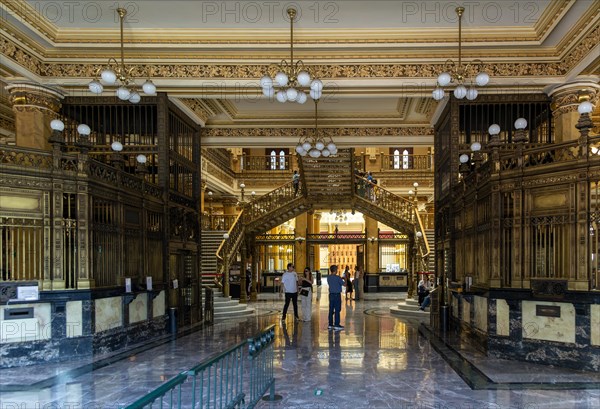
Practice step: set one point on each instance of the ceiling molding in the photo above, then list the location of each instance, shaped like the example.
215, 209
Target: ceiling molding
37, 22
403, 106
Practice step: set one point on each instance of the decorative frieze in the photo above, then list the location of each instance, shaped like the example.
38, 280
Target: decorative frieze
327, 71
325, 132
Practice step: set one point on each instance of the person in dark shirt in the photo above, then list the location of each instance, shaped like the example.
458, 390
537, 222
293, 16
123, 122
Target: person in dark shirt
335, 283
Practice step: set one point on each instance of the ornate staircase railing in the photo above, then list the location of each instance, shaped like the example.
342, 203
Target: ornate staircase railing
379, 197
272, 201
422, 244
227, 251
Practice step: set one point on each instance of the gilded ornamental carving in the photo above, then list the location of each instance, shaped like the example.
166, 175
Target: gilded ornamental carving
329, 132
327, 71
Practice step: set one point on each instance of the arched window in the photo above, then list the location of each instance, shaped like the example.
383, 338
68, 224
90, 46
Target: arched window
400, 157
282, 160
405, 159
396, 159
277, 158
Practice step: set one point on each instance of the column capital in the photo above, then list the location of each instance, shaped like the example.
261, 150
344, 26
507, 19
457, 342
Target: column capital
566, 97
29, 97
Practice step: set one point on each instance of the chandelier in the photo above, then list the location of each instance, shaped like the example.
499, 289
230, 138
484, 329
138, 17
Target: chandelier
118, 74
459, 74
293, 79
338, 216
316, 146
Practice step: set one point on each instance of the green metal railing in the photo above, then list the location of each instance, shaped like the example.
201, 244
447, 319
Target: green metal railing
222, 381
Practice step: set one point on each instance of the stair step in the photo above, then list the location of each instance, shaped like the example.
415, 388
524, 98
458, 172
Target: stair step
409, 313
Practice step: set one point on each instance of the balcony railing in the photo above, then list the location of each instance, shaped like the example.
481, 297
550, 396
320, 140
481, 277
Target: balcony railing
267, 163
403, 163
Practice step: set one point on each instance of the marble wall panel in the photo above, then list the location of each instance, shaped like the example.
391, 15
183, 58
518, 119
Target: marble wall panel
502, 318
480, 318
559, 329
595, 324
158, 305
108, 313
138, 309
466, 311
455, 304
27, 329
74, 319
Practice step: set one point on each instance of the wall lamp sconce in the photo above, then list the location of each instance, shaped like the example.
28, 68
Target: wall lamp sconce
419, 234
300, 239
372, 239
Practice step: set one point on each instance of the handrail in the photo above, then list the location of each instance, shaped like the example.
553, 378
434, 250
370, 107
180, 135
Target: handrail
228, 248
221, 380
271, 201
419, 228
392, 203
160, 392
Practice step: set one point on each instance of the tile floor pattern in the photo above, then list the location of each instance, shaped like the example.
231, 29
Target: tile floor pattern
377, 361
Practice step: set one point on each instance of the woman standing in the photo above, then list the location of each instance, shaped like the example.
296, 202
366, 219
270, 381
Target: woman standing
358, 278
348, 281
306, 294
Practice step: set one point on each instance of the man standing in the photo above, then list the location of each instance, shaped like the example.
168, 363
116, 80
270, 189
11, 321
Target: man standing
289, 284
335, 283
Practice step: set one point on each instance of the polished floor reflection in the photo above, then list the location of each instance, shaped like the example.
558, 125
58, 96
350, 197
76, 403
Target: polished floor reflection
377, 361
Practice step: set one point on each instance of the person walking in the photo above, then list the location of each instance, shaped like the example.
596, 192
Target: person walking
335, 283
358, 278
289, 285
306, 294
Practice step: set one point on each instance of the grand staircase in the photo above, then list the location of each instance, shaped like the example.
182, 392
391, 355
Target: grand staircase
328, 180
325, 182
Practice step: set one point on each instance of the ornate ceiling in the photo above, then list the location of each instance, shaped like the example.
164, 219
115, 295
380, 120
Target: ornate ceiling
378, 59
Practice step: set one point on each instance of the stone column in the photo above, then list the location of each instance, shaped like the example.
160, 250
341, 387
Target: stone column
372, 247
300, 258
229, 206
317, 249
565, 100
202, 192
34, 107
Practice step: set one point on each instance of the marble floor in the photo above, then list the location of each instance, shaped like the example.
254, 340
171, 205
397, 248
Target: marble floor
377, 361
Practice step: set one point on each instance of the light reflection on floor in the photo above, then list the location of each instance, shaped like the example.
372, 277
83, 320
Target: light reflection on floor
377, 361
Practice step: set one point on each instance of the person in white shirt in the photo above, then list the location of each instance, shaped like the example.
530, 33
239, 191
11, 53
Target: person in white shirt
289, 285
